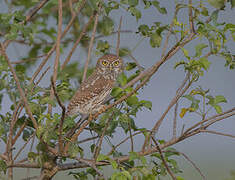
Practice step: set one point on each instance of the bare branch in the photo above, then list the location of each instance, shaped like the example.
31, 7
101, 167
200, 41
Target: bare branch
175, 120
190, 14
131, 137
21, 91
56, 63
22, 148
98, 148
77, 41
218, 133
136, 62
35, 10
163, 160
54, 46
62, 116
193, 164
90, 47
118, 37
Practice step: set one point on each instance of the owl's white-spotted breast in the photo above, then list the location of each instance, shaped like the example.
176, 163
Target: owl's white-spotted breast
92, 93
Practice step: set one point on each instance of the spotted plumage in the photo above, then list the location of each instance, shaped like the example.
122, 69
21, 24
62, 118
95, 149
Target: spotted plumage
89, 97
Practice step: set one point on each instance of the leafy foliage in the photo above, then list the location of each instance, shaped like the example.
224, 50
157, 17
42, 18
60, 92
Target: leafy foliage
39, 36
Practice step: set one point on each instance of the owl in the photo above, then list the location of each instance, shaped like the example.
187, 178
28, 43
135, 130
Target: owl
92, 93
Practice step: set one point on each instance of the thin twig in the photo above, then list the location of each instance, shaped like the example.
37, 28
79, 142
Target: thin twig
175, 120
27, 60
112, 33
87, 139
180, 91
91, 164
54, 46
90, 48
121, 142
210, 118
62, 116
35, 10
77, 41
131, 137
98, 148
169, 33
218, 133
190, 14
136, 62
57, 58
163, 160
22, 148
193, 164
21, 91
19, 132
118, 37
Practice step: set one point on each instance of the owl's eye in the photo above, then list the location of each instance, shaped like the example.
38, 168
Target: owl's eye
116, 63
104, 63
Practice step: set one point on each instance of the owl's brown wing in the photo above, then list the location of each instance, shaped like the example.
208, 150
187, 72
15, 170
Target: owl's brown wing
93, 87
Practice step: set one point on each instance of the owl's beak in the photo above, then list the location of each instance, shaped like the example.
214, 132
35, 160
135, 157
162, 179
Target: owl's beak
110, 68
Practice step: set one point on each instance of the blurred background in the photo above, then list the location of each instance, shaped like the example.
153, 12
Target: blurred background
213, 154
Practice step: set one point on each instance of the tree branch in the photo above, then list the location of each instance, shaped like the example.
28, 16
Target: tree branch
56, 63
62, 117
163, 160
90, 47
77, 41
118, 37
21, 91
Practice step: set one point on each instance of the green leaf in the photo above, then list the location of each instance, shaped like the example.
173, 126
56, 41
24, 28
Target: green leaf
133, 2
126, 174
218, 4
106, 26
147, 104
185, 53
232, 3
132, 100
217, 108
135, 12
219, 99
204, 11
116, 91
130, 66
122, 79
214, 17
102, 157
204, 63
3, 166
199, 48
133, 156
179, 178
124, 52
160, 9
103, 46
155, 40
144, 30
114, 164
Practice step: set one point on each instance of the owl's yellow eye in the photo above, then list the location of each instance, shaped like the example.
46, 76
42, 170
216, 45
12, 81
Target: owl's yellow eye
104, 63
116, 63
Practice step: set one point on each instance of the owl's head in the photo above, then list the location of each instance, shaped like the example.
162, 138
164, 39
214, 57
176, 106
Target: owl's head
110, 64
